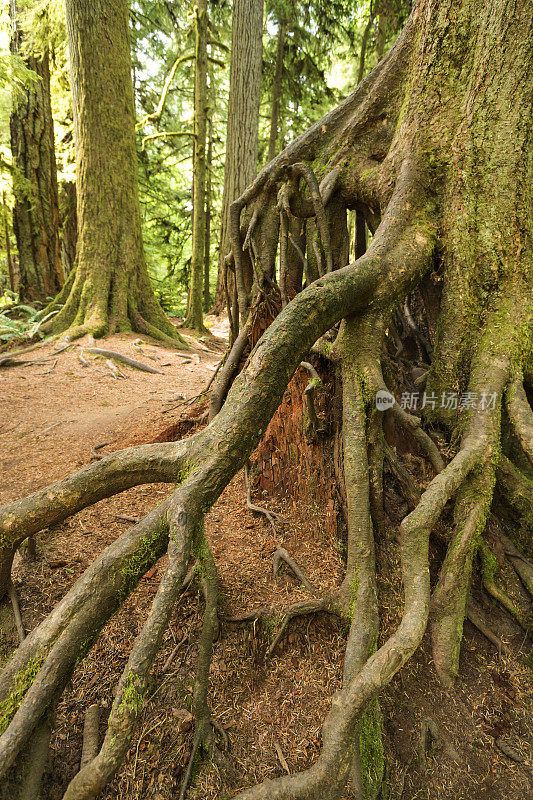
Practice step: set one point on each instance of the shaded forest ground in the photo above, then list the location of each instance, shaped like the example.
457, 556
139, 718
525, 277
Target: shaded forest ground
272, 709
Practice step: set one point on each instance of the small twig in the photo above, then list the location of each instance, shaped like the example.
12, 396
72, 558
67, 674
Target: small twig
48, 371
125, 518
114, 369
83, 361
98, 455
16, 611
172, 656
272, 516
281, 757
61, 422
143, 735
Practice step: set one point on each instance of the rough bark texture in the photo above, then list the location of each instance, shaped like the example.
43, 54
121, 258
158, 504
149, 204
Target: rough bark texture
276, 92
194, 318
243, 117
109, 290
36, 210
69, 225
409, 149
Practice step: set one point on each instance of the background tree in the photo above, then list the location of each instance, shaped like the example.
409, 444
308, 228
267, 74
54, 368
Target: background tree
109, 290
194, 318
243, 116
36, 208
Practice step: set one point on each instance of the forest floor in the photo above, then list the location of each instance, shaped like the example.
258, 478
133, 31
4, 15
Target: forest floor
54, 417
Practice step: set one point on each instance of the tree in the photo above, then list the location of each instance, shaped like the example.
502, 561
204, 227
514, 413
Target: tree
109, 290
36, 209
432, 148
276, 91
194, 318
243, 117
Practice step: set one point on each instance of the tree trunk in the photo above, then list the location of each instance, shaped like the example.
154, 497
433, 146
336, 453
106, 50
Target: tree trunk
194, 318
364, 43
10, 267
208, 188
69, 225
109, 290
36, 209
243, 118
276, 92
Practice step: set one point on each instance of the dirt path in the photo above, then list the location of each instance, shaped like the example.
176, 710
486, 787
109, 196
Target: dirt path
53, 413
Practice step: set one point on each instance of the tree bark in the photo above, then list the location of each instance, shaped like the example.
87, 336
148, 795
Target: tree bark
276, 92
243, 118
109, 290
364, 43
36, 209
69, 225
194, 318
208, 213
10, 267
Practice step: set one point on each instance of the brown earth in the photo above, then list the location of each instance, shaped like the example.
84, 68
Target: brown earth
50, 421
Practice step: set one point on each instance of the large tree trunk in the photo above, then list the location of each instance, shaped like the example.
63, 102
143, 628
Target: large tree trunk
243, 118
194, 318
36, 210
433, 148
109, 290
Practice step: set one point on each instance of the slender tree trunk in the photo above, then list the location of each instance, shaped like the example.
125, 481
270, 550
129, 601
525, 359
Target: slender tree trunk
194, 318
10, 268
207, 254
276, 92
243, 117
364, 44
109, 290
69, 225
36, 210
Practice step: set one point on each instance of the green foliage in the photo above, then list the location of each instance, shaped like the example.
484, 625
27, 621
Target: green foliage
27, 324
132, 700
21, 683
322, 48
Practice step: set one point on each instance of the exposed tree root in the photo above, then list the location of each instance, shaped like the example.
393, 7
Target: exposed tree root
521, 416
489, 569
16, 611
203, 731
282, 555
91, 723
474, 615
131, 362
315, 426
522, 566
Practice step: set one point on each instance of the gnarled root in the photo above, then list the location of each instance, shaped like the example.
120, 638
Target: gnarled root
521, 416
